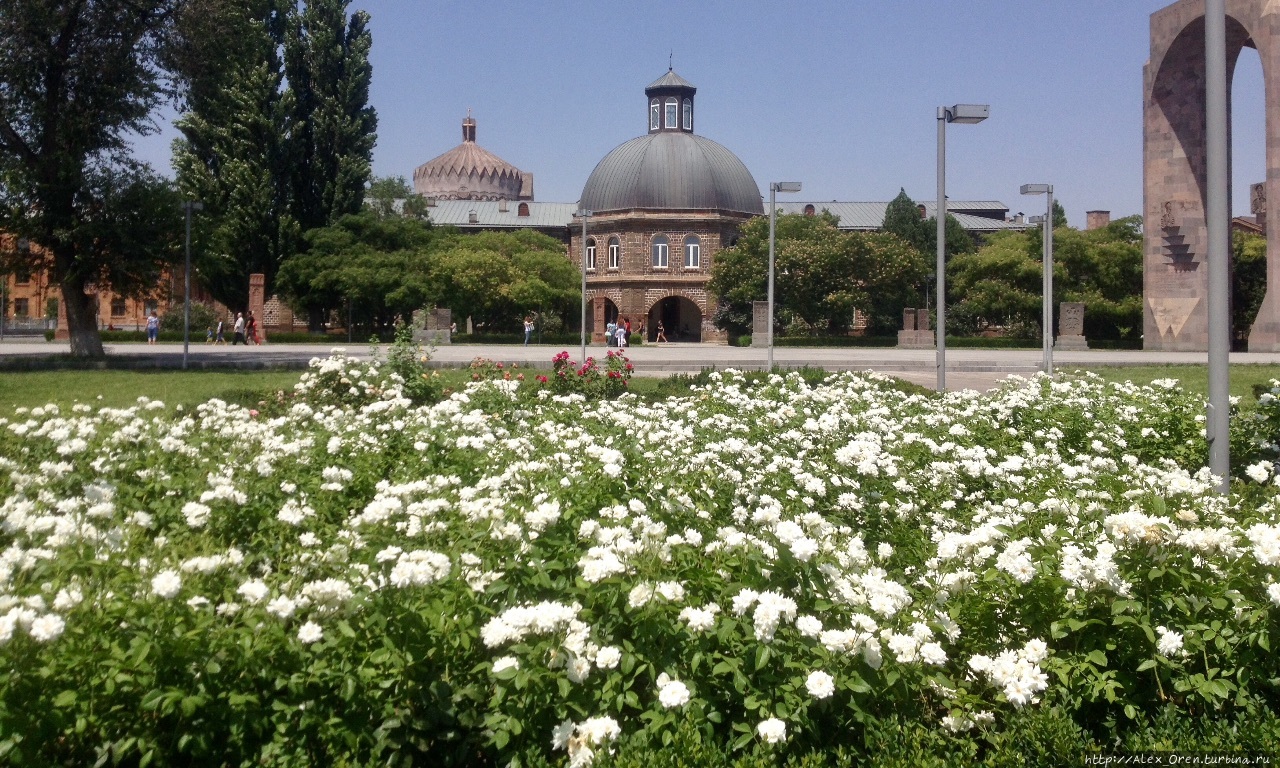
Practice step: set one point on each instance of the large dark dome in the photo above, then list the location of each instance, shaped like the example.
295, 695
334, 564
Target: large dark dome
671, 170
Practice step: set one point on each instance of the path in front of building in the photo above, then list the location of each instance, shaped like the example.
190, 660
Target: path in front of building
980, 369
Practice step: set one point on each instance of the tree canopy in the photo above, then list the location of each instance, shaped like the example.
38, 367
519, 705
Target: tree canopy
821, 275
78, 79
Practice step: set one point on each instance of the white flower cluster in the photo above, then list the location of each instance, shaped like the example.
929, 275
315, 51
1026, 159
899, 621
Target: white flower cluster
1017, 672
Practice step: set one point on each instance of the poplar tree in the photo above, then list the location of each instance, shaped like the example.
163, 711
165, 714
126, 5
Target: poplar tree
902, 218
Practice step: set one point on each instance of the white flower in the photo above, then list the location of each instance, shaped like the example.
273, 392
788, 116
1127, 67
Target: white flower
1260, 472
773, 730
1170, 642
505, 663
67, 599
282, 607
608, 657
809, 626
820, 684
932, 653
1273, 592
197, 514
47, 628
166, 584
253, 591
673, 693
884, 550
700, 619
310, 633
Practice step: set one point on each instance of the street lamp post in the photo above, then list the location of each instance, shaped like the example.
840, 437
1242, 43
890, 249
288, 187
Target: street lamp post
1218, 234
774, 188
1046, 319
965, 114
187, 206
585, 214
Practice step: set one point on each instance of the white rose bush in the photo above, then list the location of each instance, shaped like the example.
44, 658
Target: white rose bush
520, 575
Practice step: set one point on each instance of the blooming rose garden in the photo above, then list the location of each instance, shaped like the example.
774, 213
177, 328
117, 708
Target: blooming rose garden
530, 573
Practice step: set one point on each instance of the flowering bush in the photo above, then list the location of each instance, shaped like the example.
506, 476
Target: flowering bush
781, 567
588, 378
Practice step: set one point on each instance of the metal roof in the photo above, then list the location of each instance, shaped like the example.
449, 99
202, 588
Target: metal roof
457, 213
670, 80
671, 170
870, 216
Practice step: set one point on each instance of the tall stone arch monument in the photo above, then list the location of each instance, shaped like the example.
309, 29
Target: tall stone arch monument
1175, 272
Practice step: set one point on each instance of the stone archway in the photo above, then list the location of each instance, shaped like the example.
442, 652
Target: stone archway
602, 308
1175, 276
681, 319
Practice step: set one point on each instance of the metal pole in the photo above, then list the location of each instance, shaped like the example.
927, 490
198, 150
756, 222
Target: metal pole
186, 290
1047, 263
583, 331
942, 252
773, 214
1219, 250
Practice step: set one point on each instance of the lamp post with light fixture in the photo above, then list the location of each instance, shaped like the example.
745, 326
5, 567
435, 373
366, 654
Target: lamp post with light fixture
1046, 319
774, 188
965, 114
584, 214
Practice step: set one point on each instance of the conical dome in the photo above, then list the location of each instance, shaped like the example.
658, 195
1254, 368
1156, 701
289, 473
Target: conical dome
471, 172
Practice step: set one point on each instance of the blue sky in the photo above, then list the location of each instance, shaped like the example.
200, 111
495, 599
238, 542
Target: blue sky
838, 95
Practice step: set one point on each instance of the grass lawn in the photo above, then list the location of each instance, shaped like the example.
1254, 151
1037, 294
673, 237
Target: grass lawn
121, 388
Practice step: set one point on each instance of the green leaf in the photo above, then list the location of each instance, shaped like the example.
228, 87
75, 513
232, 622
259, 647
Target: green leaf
65, 699
1148, 664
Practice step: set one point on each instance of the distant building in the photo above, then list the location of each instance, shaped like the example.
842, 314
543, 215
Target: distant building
471, 172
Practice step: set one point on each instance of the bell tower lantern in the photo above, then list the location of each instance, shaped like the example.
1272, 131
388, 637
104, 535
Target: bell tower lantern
670, 100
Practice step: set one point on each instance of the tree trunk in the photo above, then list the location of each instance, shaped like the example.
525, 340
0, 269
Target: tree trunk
82, 320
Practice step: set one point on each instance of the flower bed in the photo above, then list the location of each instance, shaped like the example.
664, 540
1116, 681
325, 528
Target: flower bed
517, 574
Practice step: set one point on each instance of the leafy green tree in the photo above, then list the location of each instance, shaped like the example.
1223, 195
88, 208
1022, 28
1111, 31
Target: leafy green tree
76, 79
380, 268
902, 218
234, 152
1248, 281
1059, 214
496, 278
997, 286
822, 275
333, 130
391, 196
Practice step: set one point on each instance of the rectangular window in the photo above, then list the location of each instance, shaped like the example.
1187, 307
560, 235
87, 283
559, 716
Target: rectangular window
692, 255
591, 256
671, 113
660, 255
118, 307
22, 276
614, 255
21, 307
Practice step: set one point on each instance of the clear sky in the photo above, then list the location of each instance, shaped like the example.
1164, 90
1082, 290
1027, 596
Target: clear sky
840, 95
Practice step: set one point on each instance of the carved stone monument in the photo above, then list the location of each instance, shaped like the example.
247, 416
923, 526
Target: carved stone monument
258, 303
1071, 326
759, 323
1175, 171
915, 333
433, 326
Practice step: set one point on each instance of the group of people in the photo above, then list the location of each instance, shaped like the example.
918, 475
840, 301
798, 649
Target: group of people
619, 334
244, 330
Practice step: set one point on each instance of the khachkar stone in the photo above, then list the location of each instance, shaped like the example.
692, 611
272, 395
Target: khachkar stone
433, 326
915, 333
1175, 171
759, 323
1071, 326
258, 303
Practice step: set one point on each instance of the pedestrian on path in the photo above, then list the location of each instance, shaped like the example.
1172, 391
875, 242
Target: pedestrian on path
153, 328
238, 328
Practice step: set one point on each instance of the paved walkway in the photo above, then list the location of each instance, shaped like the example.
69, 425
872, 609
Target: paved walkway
966, 368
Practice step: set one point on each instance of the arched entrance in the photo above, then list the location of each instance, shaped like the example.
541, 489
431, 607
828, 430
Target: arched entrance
1175, 277
681, 320
600, 312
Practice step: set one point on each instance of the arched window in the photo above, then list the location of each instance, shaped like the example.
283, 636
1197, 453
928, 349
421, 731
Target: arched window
692, 252
523, 209
688, 115
591, 253
660, 248
671, 112
655, 115
615, 253
809, 210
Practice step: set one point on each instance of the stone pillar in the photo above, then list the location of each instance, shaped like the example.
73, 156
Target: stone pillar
258, 302
922, 320
597, 317
759, 323
1071, 326
915, 333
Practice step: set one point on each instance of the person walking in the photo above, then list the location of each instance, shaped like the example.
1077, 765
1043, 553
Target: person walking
621, 333
153, 328
238, 329
662, 333
528, 328
627, 326
217, 334
610, 328
251, 330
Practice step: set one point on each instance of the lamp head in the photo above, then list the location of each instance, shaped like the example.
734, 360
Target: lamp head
785, 186
968, 113
1035, 189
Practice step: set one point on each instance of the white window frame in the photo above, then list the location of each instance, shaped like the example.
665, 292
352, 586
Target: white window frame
591, 253
688, 114
671, 113
655, 115
661, 251
692, 252
615, 253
